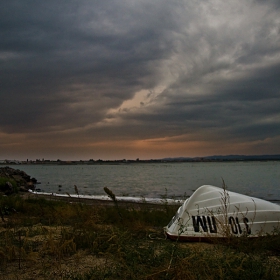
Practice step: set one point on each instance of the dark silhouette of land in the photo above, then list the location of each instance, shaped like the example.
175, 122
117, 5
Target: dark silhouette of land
215, 158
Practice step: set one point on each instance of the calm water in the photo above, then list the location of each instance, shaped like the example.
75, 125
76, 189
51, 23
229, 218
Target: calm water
259, 179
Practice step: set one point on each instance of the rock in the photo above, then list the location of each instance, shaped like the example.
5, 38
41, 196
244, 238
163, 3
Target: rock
30, 186
23, 189
22, 180
8, 188
33, 180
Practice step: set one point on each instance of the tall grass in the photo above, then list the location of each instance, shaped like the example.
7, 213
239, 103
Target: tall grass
125, 242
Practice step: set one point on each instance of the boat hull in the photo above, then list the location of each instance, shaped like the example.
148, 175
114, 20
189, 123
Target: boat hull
213, 212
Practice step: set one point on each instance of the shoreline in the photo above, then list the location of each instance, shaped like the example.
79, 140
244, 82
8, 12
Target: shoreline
97, 202
99, 199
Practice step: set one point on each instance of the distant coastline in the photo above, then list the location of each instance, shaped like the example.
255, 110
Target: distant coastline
215, 158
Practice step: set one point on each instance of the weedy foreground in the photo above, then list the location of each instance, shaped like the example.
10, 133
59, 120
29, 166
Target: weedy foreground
49, 239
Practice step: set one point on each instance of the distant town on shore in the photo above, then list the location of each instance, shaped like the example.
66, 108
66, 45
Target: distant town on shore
219, 158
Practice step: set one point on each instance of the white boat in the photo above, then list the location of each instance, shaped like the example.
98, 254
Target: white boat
213, 212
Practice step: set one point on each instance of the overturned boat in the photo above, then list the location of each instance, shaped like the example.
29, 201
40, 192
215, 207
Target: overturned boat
213, 212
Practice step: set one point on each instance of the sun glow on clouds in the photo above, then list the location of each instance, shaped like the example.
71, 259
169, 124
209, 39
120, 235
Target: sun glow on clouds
139, 102
10, 140
140, 99
151, 79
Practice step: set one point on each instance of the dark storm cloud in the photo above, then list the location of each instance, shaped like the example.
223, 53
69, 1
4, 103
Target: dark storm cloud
246, 108
55, 55
201, 70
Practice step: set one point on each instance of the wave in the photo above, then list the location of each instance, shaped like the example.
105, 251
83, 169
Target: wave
118, 198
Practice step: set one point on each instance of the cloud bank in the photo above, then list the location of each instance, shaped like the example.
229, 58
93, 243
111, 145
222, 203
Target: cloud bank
111, 79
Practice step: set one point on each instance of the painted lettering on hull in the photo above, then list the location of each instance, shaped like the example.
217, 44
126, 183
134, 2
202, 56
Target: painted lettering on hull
208, 224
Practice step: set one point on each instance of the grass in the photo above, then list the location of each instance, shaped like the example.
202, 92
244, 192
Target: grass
45, 239
4, 180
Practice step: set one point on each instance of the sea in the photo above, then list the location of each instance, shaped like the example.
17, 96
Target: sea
158, 180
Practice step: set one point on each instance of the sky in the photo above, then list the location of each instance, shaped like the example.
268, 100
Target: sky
119, 79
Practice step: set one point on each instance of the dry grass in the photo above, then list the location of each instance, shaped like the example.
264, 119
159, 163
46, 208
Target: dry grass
42, 239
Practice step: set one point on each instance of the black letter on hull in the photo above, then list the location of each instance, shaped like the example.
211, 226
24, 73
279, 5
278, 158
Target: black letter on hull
198, 222
246, 221
214, 228
233, 225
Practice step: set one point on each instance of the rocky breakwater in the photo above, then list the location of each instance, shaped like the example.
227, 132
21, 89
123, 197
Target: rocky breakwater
15, 180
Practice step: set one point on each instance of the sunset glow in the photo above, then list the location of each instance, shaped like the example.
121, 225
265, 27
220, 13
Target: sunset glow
113, 80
